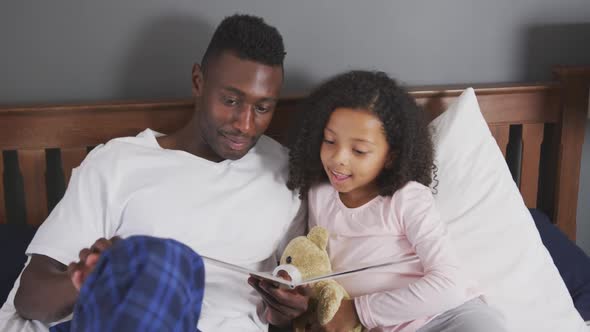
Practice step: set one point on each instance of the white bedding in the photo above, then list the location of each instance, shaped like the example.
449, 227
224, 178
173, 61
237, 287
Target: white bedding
492, 229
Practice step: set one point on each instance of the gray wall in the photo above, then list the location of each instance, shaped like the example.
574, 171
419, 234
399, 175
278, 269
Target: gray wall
81, 51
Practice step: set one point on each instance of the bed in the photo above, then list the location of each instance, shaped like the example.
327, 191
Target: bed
539, 128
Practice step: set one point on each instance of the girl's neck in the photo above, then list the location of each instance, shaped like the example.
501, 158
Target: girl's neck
359, 196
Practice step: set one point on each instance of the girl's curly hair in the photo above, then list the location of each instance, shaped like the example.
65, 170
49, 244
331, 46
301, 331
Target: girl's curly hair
404, 123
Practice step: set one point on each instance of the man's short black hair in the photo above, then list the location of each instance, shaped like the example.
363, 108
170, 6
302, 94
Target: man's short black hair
249, 38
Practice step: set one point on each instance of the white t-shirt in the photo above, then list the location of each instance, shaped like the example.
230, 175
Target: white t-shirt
238, 211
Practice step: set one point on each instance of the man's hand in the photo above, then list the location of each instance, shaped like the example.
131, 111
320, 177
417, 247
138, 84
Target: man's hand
346, 319
45, 292
79, 271
282, 305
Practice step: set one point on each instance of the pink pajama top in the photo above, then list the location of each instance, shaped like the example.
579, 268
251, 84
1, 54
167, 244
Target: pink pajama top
400, 297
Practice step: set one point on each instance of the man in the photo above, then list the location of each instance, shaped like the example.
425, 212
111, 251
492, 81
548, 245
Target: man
217, 186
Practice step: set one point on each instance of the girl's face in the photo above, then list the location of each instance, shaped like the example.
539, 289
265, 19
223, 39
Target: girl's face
354, 151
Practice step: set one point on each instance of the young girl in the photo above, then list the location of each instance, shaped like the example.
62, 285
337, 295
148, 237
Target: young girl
364, 162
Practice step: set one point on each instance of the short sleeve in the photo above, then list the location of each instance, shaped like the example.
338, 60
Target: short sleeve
79, 219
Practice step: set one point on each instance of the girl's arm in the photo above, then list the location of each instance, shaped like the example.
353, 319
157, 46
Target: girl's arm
443, 285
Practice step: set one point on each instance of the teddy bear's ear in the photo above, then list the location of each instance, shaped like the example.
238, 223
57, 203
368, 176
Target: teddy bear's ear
319, 236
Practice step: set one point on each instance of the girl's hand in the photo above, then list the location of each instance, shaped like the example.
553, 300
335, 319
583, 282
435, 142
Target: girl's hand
345, 319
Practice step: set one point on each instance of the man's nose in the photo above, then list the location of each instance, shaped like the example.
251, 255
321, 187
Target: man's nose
244, 120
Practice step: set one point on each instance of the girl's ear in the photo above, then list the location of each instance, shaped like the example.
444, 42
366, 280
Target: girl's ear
391, 157
319, 236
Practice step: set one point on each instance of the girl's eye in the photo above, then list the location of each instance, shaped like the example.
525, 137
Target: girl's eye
327, 141
359, 152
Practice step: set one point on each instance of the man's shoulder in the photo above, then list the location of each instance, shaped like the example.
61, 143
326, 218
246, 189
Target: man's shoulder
268, 157
120, 149
267, 146
271, 153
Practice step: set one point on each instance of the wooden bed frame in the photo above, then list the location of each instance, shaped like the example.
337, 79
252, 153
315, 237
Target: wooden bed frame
550, 119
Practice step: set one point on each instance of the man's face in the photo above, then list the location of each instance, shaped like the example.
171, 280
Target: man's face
235, 102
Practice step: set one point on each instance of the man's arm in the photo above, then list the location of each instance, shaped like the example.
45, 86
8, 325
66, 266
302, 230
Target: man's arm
46, 291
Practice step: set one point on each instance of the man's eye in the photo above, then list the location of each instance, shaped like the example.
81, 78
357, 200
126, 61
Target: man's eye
262, 110
230, 101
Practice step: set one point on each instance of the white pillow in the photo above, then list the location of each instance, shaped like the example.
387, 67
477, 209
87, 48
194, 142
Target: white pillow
492, 230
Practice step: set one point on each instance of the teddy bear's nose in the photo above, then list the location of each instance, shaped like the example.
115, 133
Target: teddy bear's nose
288, 272
283, 274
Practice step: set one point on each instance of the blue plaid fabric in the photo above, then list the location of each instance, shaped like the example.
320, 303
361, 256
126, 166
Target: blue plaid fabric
141, 284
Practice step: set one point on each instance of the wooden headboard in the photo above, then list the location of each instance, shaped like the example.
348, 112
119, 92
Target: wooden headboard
548, 120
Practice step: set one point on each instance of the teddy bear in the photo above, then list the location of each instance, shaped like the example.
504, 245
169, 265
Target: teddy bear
306, 257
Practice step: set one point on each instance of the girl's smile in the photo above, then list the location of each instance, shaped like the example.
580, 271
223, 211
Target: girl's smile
338, 177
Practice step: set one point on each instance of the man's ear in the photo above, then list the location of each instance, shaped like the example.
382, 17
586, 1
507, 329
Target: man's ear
197, 80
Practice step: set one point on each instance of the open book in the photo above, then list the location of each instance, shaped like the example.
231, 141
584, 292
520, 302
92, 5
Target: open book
335, 274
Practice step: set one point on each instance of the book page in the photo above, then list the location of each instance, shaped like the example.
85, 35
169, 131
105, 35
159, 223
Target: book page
334, 275
349, 271
260, 275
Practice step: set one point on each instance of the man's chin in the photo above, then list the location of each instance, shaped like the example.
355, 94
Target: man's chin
231, 154
234, 156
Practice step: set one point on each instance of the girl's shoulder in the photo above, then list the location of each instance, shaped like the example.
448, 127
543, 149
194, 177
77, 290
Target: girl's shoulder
320, 192
413, 190
318, 202
412, 197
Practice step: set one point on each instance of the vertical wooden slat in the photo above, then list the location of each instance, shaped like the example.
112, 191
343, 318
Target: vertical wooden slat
575, 82
71, 158
501, 133
532, 138
32, 164
548, 170
2, 201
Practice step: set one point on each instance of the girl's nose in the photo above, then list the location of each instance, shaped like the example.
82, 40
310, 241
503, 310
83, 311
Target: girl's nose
341, 157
